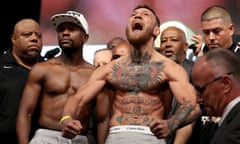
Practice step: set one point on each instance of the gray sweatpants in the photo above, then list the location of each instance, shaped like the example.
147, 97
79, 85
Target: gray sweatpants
46, 136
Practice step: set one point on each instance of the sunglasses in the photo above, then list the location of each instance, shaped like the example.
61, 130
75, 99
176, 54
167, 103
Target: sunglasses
201, 89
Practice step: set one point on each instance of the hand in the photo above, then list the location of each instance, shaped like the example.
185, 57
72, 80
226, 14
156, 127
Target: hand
71, 128
160, 128
198, 44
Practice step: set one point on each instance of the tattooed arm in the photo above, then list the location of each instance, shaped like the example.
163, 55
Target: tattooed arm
185, 95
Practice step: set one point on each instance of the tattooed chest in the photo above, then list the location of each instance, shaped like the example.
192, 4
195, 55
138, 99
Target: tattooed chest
140, 77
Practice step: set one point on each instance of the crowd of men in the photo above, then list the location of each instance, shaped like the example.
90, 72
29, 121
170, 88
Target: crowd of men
136, 91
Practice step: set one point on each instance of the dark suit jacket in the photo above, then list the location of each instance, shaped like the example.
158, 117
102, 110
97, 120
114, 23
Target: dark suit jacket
229, 131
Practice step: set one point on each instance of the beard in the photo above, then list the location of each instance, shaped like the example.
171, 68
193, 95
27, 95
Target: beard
67, 48
30, 58
138, 38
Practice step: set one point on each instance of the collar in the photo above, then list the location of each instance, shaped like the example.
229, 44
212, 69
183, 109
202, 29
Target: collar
229, 108
7, 57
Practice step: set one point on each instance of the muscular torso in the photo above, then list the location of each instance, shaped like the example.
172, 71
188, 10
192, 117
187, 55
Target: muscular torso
58, 83
141, 93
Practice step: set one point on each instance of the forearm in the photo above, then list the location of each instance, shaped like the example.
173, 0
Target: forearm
183, 134
102, 131
86, 94
71, 107
23, 129
185, 114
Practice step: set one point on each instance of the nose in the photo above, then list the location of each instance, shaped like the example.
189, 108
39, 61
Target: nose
137, 15
65, 31
212, 36
35, 36
167, 44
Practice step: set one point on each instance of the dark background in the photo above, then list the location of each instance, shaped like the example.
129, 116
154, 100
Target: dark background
12, 11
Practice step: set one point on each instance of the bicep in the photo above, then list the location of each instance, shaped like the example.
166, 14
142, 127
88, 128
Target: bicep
180, 86
31, 92
89, 91
85, 94
93, 87
183, 91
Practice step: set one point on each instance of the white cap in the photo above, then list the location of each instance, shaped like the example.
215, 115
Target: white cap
187, 31
70, 16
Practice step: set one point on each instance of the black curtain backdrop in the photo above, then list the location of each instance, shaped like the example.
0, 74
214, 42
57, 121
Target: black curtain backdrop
12, 11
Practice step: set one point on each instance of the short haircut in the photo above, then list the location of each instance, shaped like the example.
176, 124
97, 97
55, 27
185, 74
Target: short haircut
216, 12
151, 9
225, 59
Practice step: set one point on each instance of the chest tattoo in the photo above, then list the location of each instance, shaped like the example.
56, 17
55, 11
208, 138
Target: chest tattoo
137, 77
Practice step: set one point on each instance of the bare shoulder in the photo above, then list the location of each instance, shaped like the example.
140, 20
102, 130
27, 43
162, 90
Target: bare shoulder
40, 69
41, 66
172, 70
87, 67
175, 71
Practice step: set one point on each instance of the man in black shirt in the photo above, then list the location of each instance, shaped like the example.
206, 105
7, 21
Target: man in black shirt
218, 30
15, 65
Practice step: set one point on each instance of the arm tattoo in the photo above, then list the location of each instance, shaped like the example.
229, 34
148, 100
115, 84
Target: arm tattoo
181, 116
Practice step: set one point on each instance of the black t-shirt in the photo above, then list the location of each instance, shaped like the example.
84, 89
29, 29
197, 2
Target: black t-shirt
12, 81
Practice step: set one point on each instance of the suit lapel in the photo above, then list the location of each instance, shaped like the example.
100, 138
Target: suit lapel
220, 131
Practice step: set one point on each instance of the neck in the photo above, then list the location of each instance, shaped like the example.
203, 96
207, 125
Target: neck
72, 59
27, 63
142, 52
139, 57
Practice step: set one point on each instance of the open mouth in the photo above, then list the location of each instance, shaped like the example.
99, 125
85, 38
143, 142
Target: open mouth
168, 53
137, 26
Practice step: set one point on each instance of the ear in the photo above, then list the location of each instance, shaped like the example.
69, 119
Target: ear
13, 39
227, 84
232, 28
86, 36
185, 48
156, 31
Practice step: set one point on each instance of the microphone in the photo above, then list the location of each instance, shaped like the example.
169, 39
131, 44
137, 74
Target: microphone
51, 53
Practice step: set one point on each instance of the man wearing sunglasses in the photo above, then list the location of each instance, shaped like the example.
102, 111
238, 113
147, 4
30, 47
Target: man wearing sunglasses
216, 77
218, 30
